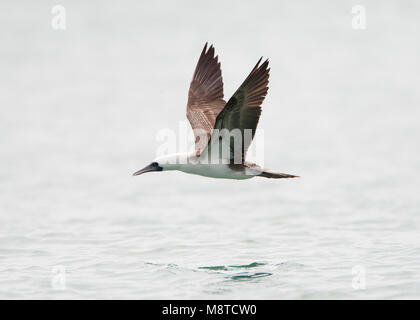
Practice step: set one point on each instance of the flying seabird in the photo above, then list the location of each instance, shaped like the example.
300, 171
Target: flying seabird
216, 122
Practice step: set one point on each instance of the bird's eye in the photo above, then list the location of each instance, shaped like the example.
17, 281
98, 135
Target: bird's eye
155, 164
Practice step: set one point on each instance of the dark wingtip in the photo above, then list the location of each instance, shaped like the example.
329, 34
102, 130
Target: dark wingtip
265, 64
211, 51
204, 49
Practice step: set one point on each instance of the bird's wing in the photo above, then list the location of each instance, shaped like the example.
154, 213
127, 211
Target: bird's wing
243, 110
205, 97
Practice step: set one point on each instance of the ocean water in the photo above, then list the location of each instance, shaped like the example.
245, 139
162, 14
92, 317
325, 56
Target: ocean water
81, 108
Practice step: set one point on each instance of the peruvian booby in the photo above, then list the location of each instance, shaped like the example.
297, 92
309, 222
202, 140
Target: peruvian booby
223, 131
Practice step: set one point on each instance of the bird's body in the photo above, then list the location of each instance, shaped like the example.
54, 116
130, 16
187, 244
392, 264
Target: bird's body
223, 131
190, 163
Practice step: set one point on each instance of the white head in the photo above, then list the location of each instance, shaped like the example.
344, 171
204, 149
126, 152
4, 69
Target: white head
166, 162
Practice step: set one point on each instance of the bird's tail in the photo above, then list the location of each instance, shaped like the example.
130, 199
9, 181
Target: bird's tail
275, 175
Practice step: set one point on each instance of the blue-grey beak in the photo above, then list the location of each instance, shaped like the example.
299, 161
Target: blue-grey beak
154, 166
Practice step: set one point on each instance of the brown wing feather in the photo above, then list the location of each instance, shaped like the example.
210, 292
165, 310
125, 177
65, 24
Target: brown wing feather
243, 109
205, 97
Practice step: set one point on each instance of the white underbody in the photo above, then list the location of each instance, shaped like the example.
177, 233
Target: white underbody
189, 163
221, 171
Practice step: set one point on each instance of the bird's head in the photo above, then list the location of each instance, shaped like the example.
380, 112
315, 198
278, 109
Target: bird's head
166, 162
154, 166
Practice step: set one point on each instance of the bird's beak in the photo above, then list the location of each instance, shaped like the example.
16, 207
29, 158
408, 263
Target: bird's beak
149, 168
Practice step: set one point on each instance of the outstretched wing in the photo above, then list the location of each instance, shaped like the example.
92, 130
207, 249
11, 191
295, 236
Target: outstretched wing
205, 97
243, 110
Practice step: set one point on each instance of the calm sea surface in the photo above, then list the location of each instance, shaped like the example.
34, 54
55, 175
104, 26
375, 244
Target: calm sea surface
80, 110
